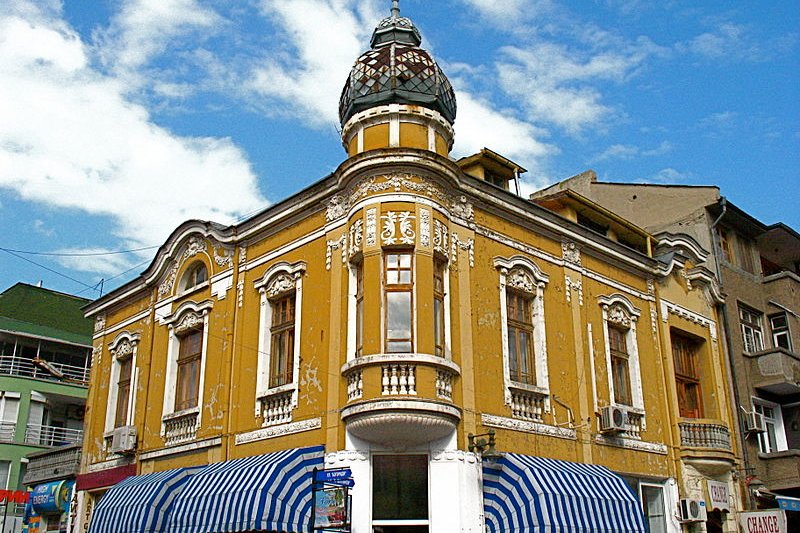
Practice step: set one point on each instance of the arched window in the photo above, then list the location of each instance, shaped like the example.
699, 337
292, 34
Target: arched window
196, 274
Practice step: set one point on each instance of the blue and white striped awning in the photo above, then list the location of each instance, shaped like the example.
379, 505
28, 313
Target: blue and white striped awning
140, 503
264, 493
524, 494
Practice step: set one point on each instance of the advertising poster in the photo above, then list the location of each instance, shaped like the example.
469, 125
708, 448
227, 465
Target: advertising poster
331, 508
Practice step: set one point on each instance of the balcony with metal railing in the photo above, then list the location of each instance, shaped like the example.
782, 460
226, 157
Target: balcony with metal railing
49, 436
46, 370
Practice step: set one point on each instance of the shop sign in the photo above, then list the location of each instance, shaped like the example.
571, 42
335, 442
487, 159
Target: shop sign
718, 493
336, 476
330, 508
13, 496
764, 522
52, 497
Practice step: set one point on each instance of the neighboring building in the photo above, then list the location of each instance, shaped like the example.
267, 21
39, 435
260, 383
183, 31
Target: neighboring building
406, 317
45, 353
758, 267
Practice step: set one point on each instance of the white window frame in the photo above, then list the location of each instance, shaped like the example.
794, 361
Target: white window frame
777, 423
352, 303
757, 340
620, 312
8, 398
4, 482
278, 280
522, 274
124, 346
188, 315
780, 332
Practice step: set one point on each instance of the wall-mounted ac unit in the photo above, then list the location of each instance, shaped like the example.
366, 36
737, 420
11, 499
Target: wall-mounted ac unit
692, 510
123, 440
754, 423
613, 419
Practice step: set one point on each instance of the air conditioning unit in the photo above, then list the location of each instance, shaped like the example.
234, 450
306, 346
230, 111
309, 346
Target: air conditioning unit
613, 419
692, 510
754, 423
123, 440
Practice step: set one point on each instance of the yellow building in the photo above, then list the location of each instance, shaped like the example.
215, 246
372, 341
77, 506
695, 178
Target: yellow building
407, 318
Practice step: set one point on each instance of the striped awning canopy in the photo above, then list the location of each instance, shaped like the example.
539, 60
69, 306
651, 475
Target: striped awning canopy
140, 503
524, 494
263, 493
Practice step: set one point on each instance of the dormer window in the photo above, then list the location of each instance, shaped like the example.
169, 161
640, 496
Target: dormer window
195, 275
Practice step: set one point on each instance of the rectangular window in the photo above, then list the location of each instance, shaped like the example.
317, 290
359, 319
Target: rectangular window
9, 410
439, 270
398, 287
359, 309
619, 366
400, 491
187, 386
653, 506
123, 391
5, 470
780, 331
752, 336
685, 354
745, 254
282, 347
774, 438
520, 337
725, 245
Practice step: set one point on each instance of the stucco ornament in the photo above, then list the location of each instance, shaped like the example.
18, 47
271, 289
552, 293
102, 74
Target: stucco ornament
123, 349
398, 227
189, 321
573, 285
520, 280
341, 242
194, 246
424, 227
100, 323
223, 256
356, 237
466, 245
618, 316
440, 237
371, 228
279, 284
571, 253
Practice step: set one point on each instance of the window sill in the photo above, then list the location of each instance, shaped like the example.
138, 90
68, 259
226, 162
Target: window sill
180, 414
273, 391
526, 387
191, 290
779, 454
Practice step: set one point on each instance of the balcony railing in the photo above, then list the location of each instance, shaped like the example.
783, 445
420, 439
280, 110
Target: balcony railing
704, 435
41, 369
527, 405
776, 370
180, 427
40, 435
7, 430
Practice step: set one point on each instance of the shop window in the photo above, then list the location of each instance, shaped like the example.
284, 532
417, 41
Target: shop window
774, 438
622, 360
780, 331
195, 275
439, 274
400, 493
752, 332
282, 344
685, 354
398, 289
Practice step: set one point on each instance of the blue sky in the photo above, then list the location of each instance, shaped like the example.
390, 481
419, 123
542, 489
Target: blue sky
120, 119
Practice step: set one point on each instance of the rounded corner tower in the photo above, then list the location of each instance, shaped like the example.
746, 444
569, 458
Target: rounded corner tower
396, 95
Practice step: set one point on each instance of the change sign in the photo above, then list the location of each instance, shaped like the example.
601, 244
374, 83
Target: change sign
764, 522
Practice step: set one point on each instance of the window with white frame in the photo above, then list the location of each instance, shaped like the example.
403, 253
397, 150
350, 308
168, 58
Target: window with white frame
9, 410
398, 287
653, 496
774, 438
524, 343
439, 306
752, 330
122, 382
622, 359
779, 324
5, 471
279, 339
195, 275
186, 357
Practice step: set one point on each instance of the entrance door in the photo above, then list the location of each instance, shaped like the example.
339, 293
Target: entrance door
400, 494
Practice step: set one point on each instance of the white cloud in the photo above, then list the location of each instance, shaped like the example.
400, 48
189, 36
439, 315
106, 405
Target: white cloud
628, 152
103, 263
510, 14
70, 138
668, 176
555, 85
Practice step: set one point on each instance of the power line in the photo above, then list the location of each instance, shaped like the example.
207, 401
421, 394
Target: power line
18, 256
78, 254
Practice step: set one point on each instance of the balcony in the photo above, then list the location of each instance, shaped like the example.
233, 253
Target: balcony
778, 285
775, 370
706, 439
53, 464
780, 470
180, 427
400, 398
41, 369
7, 430
41, 435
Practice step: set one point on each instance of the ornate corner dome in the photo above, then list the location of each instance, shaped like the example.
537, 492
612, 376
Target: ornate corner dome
396, 71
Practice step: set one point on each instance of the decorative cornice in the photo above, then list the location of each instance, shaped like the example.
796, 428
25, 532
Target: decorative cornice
528, 427
279, 431
632, 444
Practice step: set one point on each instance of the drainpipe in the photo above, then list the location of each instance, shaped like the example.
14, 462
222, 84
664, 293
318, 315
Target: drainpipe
732, 385
516, 180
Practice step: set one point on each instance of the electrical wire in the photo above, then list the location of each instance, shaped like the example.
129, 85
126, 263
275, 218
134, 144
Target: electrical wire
78, 254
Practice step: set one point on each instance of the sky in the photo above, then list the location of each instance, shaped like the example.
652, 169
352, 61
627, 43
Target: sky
120, 119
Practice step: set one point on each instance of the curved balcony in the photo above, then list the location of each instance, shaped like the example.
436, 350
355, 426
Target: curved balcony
400, 399
706, 440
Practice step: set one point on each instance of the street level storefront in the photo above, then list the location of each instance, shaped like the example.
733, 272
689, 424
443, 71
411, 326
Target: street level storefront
49, 507
269, 492
524, 494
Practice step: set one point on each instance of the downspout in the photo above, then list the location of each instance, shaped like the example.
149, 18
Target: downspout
516, 180
722, 308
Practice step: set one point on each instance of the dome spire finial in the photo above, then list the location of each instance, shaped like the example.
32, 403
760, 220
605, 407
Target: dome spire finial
395, 9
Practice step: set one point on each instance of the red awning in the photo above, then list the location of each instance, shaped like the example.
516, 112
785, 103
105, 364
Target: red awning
104, 478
